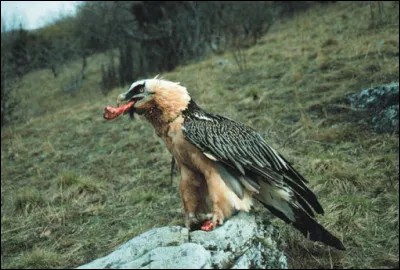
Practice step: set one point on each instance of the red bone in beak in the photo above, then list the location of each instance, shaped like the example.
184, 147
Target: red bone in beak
113, 112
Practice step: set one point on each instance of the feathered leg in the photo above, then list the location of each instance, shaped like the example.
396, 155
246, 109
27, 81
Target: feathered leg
220, 205
189, 186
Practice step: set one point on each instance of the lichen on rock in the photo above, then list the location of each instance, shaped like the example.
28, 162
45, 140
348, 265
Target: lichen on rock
382, 102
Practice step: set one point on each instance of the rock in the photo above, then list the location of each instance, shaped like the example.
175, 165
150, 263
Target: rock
378, 97
244, 241
382, 102
387, 120
140, 245
185, 256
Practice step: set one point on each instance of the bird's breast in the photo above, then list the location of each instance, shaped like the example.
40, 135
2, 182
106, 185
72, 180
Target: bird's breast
183, 151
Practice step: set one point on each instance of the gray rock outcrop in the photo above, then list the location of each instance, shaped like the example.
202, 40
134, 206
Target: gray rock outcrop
244, 241
382, 102
387, 120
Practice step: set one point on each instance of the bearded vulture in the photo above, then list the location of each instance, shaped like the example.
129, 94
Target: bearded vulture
223, 164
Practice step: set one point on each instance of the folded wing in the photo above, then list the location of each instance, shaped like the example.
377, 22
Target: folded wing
245, 160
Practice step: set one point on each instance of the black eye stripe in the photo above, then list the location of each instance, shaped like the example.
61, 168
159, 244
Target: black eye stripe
136, 90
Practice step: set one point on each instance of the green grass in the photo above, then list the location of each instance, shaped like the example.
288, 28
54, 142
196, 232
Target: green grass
75, 186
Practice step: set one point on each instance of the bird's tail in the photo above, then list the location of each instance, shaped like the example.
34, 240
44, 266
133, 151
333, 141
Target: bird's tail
292, 208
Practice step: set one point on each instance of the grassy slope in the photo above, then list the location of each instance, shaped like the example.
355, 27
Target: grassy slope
74, 186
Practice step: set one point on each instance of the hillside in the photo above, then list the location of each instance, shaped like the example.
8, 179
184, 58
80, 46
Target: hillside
75, 186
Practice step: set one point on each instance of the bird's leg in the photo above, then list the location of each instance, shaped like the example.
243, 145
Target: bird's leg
188, 186
203, 208
214, 190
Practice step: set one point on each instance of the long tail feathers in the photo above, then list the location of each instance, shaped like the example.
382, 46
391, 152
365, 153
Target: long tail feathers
291, 201
286, 205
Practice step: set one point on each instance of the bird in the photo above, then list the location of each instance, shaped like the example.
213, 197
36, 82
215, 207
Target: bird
224, 165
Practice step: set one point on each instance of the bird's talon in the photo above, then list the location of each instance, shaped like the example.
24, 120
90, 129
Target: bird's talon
192, 222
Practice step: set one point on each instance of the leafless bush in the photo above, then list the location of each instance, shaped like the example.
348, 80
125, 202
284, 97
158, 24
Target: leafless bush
241, 24
10, 78
9, 86
76, 82
380, 11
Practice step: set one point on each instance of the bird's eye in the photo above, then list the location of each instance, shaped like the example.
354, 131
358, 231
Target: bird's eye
141, 90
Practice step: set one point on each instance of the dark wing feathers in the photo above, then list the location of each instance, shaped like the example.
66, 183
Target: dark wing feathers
251, 160
242, 148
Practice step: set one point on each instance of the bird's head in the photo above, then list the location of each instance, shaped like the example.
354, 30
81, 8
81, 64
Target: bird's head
165, 98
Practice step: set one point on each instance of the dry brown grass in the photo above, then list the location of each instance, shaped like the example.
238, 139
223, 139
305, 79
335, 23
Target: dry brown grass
74, 186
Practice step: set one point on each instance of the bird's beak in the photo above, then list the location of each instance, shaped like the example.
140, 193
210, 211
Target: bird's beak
140, 96
142, 99
146, 96
120, 99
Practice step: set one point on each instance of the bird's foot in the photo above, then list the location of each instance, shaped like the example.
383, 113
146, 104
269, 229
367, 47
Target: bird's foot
192, 222
217, 219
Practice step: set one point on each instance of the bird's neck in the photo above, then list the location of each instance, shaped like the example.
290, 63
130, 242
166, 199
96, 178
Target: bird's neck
161, 119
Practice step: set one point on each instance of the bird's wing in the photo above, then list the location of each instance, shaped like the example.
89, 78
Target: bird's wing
243, 149
248, 158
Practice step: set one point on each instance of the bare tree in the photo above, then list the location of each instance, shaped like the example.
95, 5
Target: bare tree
241, 24
108, 27
381, 12
9, 79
